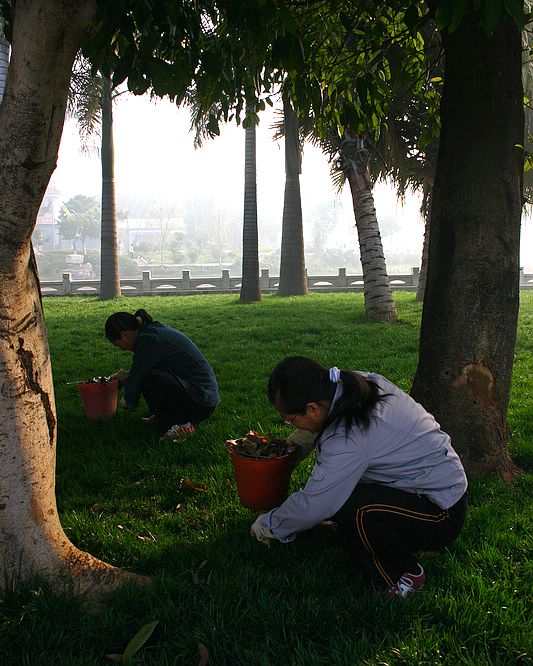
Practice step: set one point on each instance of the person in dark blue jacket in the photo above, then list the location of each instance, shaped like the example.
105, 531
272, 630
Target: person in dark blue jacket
168, 370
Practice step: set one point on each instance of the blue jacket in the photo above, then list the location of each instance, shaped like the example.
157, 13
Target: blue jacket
164, 348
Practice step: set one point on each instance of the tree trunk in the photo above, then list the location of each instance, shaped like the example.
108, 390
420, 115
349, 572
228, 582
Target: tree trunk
250, 290
292, 275
422, 276
109, 274
471, 303
379, 303
46, 36
5, 50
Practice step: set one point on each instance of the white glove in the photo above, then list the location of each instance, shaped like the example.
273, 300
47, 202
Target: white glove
305, 443
261, 532
123, 403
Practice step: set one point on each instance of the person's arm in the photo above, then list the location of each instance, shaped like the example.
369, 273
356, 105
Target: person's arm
148, 352
331, 483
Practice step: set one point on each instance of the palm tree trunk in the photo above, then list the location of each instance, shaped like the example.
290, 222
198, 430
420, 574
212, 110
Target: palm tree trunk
379, 303
426, 211
250, 290
292, 275
109, 274
5, 50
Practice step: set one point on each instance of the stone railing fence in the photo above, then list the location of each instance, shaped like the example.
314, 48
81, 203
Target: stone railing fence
186, 285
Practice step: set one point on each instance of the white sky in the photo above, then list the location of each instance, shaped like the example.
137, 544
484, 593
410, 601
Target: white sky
155, 157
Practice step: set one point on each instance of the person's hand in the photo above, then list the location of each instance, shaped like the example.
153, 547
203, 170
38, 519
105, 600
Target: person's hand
261, 532
121, 375
304, 442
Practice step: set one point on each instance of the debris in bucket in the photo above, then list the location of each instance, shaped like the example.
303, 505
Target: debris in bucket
99, 380
254, 445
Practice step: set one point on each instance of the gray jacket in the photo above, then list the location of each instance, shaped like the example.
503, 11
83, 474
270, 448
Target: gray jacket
403, 447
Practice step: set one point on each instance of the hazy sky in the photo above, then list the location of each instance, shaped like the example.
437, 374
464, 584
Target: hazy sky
155, 156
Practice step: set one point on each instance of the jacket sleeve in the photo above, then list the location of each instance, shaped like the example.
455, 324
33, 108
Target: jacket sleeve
147, 354
340, 465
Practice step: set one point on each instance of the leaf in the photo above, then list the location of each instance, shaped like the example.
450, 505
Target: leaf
444, 13
117, 658
204, 655
490, 15
193, 485
515, 9
411, 18
139, 640
458, 12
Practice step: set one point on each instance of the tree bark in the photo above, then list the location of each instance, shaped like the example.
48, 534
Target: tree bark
379, 303
5, 50
109, 273
471, 303
46, 36
422, 276
292, 275
250, 290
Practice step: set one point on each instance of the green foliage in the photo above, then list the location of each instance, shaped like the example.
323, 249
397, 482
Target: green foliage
80, 218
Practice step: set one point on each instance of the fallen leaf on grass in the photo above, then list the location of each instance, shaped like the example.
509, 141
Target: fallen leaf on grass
179, 507
204, 655
135, 484
135, 644
98, 507
193, 485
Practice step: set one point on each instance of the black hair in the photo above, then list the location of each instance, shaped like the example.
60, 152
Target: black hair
297, 381
119, 322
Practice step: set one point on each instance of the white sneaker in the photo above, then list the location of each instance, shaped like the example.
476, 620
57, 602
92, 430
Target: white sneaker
177, 432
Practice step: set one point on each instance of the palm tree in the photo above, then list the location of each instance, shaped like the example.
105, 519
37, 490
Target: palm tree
91, 103
354, 158
250, 290
292, 275
5, 50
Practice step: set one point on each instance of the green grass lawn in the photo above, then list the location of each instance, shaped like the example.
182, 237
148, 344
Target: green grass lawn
121, 497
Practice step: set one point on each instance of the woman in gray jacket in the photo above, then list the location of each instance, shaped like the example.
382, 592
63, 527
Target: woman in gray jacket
385, 472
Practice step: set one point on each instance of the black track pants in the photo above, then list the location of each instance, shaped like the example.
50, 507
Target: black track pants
385, 526
168, 400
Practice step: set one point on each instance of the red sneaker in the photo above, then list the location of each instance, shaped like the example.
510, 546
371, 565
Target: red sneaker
408, 583
177, 432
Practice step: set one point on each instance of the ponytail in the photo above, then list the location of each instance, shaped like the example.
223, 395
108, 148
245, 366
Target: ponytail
119, 322
297, 381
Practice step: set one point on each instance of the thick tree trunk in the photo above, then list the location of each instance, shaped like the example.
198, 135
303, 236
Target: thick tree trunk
292, 275
379, 303
109, 274
471, 302
46, 37
250, 290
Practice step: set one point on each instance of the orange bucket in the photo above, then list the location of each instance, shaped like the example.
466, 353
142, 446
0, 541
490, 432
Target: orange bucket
99, 400
262, 483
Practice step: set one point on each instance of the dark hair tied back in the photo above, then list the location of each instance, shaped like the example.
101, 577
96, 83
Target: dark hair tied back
296, 381
119, 322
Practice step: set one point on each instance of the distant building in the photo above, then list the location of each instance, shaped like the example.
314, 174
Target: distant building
46, 233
